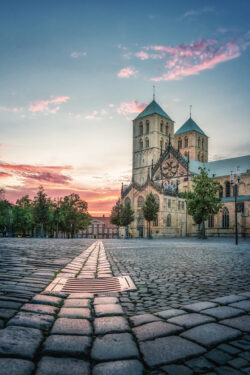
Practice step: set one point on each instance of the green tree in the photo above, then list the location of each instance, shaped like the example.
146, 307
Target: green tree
115, 216
23, 216
5, 214
150, 209
126, 216
43, 214
204, 199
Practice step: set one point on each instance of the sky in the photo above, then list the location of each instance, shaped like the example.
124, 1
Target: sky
74, 74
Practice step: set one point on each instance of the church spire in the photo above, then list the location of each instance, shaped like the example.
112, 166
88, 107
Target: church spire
190, 110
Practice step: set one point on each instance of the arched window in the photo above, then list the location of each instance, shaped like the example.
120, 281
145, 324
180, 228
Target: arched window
211, 221
167, 130
169, 220
127, 201
141, 128
141, 144
140, 201
147, 142
161, 127
225, 218
147, 127
161, 144
169, 203
179, 143
179, 205
186, 142
199, 142
202, 157
221, 192
199, 157
155, 222
228, 189
202, 144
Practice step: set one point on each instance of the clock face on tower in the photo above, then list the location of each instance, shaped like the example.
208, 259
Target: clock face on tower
169, 168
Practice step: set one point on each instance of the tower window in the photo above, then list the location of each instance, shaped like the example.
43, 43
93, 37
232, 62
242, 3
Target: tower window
155, 222
202, 157
179, 205
167, 130
161, 144
141, 144
141, 128
211, 221
198, 157
228, 189
169, 220
147, 142
147, 127
225, 218
199, 142
140, 201
179, 143
169, 203
221, 192
161, 127
186, 142
202, 144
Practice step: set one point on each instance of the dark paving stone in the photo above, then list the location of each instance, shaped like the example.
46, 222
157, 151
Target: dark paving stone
244, 305
177, 370
62, 366
33, 320
108, 309
19, 342
111, 324
114, 346
13, 366
40, 309
137, 320
74, 302
1, 323
200, 364
67, 345
238, 363
104, 300
219, 357
66, 326
169, 349
242, 323
211, 334
245, 355
228, 349
6, 314
155, 329
166, 314
228, 299
225, 370
199, 306
129, 367
46, 300
223, 312
74, 312
10, 305
190, 320
241, 344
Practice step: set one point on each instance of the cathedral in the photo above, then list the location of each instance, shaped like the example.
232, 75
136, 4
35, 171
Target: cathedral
165, 162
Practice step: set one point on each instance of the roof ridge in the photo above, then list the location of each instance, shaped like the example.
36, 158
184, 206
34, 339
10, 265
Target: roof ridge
153, 108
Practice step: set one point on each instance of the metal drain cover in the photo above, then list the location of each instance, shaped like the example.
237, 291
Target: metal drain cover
107, 285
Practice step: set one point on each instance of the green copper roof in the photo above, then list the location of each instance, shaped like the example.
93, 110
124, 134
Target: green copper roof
189, 125
151, 109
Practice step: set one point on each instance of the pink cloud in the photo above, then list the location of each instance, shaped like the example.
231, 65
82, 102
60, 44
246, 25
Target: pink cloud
127, 72
142, 55
48, 106
6, 109
75, 55
5, 174
127, 108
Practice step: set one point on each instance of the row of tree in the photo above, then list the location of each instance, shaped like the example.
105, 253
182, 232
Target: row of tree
202, 202
43, 216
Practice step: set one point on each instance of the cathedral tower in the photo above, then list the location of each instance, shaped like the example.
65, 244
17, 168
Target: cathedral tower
152, 130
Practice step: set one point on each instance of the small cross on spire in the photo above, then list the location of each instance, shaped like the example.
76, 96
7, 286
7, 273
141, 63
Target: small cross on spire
153, 92
190, 110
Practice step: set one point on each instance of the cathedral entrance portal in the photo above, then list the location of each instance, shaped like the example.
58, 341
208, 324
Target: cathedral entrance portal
140, 230
140, 226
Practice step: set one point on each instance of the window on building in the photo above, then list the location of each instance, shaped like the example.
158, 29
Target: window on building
179, 205
140, 201
127, 201
199, 142
202, 144
147, 127
161, 127
225, 218
166, 145
211, 221
167, 130
147, 142
169, 220
161, 144
183, 205
169, 203
179, 143
202, 158
199, 156
228, 189
141, 144
221, 192
141, 128
155, 222
186, 142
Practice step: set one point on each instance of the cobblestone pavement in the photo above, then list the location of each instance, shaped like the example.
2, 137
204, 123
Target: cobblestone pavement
76, 334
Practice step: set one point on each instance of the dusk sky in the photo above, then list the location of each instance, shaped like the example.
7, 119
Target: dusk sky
75, 73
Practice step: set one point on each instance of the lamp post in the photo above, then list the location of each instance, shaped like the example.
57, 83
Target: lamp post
235, 181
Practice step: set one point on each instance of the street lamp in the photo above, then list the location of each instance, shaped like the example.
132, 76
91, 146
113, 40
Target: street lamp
235, 181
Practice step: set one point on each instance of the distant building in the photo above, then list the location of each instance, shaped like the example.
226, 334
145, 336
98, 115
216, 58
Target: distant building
165, 162
100, 227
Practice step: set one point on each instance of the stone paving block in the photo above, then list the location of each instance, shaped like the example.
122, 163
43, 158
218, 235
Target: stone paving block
62, 366
104, 300
110, 324
114, 346
108, 309
125, 367
245, 355
177, 370
229, 299
245, 294
223, 312
13, 366
1, 323
137, 320
229, 349
40, 309
46, 300
241, 322
218, 356
190, 320
67, 326
167, 314
155, 329
199, 306
244, 305
241, 344
74, 302
19, 342
67, 345
33, 320
199, 365
226, 370
211, 334
238, 363
80, 295
6, 314
10, 305
169, 349
74, 312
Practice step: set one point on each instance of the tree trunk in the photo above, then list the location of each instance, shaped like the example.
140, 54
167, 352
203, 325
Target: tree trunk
203, 231
127, 231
